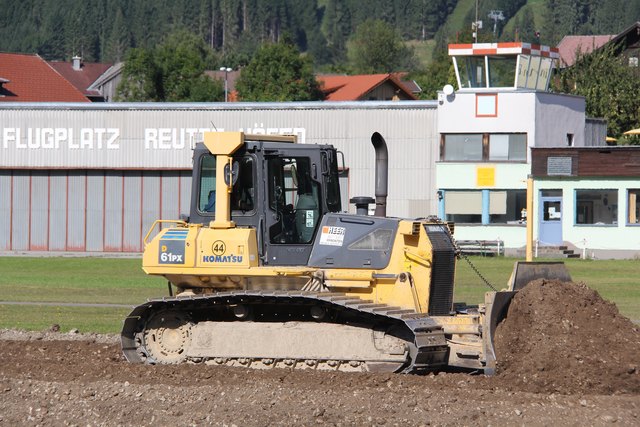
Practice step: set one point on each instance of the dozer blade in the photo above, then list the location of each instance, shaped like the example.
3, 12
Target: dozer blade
525, 272
497, 303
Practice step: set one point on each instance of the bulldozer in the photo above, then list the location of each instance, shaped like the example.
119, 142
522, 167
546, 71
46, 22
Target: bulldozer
268, 271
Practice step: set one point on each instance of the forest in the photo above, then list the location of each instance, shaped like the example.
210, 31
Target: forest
103, 30
282, 44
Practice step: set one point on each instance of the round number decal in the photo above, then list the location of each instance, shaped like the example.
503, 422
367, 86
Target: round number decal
219, 248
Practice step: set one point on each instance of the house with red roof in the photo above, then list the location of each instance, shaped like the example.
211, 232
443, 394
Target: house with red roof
83, 75
570, 46
367, 87
627, 44
29, 78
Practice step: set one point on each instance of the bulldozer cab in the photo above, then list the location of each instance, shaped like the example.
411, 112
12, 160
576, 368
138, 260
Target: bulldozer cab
280, 189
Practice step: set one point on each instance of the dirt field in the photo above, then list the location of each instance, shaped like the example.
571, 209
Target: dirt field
567, 358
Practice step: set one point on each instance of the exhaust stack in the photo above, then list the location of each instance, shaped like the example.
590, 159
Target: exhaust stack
382, 171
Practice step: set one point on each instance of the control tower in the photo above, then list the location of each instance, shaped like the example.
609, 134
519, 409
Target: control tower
514, 65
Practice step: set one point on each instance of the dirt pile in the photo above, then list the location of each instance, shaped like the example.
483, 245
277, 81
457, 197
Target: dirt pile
563, 337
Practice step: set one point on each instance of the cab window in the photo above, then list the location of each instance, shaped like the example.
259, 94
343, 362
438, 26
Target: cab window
207, 196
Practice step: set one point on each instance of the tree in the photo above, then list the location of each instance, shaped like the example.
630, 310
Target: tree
377, 48
174, 71
439, 73
527, 28
118, 41
141, 80
278, 72
182, 59
609, 86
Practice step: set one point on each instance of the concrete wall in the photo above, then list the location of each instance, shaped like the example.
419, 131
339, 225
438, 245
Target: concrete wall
556, 116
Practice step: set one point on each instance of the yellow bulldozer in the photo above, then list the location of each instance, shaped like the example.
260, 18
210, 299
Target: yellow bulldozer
268, 272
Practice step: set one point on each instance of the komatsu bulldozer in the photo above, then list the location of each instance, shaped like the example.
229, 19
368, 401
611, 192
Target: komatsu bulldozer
268, 272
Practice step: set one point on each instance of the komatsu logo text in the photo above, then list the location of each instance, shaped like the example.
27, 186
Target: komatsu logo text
222, 258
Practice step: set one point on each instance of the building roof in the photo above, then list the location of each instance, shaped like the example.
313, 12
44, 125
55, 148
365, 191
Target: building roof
570, 45
353, 88
502, 48
83, 77
32, 79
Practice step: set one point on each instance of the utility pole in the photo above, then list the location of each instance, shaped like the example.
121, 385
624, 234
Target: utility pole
476, 25
226, 86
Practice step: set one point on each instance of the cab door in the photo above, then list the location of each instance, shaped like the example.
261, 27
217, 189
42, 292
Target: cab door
294, 206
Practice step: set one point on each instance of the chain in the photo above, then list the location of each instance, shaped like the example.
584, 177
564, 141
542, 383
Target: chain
466, 258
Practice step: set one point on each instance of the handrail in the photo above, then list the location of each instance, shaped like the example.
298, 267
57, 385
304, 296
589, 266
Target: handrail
160, 221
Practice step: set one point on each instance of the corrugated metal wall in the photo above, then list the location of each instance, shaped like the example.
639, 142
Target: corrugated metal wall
94, 177
87, 210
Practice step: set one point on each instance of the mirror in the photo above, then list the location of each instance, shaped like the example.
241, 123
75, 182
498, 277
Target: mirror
231, 176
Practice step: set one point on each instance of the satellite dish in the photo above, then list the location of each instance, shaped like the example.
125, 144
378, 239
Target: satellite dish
448, 90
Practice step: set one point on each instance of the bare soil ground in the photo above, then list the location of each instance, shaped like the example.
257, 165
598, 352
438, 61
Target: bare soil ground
566, 358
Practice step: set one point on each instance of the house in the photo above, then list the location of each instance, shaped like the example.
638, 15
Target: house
627, 44
107, 83
369, 87
29, 78
589, 197
82, 75
569, 47
366, 87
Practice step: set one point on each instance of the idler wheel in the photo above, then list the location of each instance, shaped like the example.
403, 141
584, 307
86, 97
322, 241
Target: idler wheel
167, 336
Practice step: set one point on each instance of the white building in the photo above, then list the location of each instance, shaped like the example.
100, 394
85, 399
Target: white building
488, 128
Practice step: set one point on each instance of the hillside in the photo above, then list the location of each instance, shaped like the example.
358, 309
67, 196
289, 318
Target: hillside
103, 30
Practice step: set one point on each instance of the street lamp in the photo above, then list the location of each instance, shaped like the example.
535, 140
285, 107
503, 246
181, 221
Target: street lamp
226, 90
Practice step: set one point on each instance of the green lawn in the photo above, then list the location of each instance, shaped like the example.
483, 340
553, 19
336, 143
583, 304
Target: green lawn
84, 280
121, 281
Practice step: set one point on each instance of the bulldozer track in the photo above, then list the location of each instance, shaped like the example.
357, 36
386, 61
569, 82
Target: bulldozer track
424, 338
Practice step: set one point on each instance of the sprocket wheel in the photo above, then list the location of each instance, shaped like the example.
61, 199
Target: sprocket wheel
167, 337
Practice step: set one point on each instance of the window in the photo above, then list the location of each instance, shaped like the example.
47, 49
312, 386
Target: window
332, 181
242, 195
508, 147
551, 210
597, 207
569, 140
501, 70
463, 206
633, 201
507, 207
295, 198
377, 240
472, 72
207, 199
462, 147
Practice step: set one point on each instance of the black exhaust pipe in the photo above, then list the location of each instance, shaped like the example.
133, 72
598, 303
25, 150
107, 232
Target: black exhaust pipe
382, 172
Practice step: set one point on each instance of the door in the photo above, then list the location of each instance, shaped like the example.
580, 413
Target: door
550, 222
